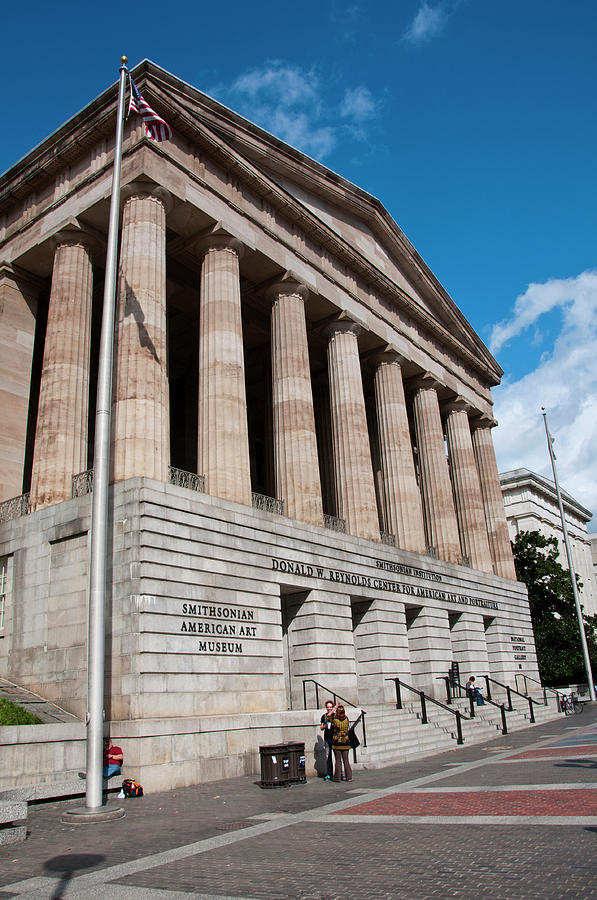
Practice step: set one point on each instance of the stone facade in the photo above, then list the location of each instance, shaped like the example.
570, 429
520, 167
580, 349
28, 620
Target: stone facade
304, 482
531, 504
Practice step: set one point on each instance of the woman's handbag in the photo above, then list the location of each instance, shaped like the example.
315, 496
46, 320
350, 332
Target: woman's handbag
352, 738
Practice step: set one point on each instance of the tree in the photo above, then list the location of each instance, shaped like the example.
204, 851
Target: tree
553, 611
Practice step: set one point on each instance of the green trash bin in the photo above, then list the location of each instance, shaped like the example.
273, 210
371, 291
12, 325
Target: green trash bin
275, 766
296, 755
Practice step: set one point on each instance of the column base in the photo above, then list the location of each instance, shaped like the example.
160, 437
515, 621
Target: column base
85, 816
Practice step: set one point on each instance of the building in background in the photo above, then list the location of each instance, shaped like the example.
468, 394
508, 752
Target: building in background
531, 504
288, 374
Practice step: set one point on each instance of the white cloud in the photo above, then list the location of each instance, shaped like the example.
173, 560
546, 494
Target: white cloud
292, 104
285, 100
564, 382
358, 104
427, 24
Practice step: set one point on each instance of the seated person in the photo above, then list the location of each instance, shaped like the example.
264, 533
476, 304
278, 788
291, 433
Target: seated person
113, 759
475, 692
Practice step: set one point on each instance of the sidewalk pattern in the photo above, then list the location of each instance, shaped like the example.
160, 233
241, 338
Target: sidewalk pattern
502, 821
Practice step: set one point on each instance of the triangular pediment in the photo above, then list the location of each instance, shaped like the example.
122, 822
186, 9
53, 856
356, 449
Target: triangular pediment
346, 219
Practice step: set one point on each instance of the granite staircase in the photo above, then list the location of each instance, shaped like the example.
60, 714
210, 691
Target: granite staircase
398, 735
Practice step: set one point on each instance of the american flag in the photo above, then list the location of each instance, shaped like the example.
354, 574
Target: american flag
157, 130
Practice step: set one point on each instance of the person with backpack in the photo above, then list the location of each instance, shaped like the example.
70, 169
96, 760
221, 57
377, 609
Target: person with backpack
341, 744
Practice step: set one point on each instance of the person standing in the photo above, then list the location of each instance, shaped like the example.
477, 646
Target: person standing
341, 744
328, 730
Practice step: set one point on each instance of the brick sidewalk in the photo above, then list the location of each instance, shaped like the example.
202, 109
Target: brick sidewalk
320, 840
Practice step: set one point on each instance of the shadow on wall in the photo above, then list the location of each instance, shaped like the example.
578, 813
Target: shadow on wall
320, 756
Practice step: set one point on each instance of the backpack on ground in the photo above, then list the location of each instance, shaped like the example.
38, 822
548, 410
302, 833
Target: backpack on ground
131, 788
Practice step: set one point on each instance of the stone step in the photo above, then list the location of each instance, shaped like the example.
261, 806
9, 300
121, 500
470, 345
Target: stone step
398, 735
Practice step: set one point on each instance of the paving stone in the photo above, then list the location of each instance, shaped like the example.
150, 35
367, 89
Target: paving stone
212, 839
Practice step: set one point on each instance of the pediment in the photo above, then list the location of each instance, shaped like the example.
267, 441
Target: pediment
344, 218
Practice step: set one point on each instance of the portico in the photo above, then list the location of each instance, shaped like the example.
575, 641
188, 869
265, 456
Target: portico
301, 429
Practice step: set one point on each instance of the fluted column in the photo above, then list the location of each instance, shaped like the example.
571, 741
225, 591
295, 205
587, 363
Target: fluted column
223, 445
438, 505
61, 433
401, 497
140, 405
466, 489
352, 455
19, 292
295, 444
493, 502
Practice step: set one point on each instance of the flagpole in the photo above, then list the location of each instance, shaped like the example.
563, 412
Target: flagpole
101, 475
581, 624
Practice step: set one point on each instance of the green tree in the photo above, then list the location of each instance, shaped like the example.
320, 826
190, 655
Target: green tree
553, 611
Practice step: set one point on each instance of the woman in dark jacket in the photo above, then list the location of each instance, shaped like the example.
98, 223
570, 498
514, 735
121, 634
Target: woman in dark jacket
341, 744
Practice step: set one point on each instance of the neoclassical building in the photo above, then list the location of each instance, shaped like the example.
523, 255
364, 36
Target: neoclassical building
304, 484
531, 504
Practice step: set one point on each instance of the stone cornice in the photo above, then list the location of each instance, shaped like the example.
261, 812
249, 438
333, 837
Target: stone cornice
519, 478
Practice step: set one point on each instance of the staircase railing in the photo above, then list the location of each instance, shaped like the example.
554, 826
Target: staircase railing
450, 683
509, 691
360, 718
542, 686
423, 697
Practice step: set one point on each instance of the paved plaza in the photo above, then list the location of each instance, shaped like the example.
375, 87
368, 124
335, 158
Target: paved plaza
513, 818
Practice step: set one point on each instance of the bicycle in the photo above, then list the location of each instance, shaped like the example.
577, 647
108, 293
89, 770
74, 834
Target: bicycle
571, 704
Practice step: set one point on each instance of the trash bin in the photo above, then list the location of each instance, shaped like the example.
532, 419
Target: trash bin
275, 766
296, 756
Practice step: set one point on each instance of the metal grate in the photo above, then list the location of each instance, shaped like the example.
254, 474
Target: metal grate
334, 523
188, 480
82, 484
15, 507
268, 504
389, 539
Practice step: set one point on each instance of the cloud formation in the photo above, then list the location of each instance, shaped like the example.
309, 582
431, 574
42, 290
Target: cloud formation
291, 103
427, 23
358, 104
564, 382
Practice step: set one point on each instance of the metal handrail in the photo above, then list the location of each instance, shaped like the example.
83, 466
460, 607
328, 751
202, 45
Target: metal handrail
336, 696
398, 683
509, 692
449, 681
544, 688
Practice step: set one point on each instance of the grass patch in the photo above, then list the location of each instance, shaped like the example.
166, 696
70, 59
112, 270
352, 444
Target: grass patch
11, 714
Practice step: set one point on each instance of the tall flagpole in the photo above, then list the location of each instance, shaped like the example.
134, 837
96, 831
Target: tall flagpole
581, 624
101, 465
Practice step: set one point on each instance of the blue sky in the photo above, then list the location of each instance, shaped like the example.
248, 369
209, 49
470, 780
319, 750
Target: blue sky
472, 121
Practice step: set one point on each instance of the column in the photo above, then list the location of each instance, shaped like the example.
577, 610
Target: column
400, 491
352, 455
140, 404
61, 433
295, 444
438, 505
223, 443
18, 309
465, 486
493, 502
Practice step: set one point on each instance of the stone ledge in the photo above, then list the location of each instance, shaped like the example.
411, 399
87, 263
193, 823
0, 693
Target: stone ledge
49, 790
